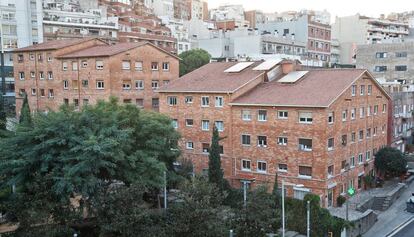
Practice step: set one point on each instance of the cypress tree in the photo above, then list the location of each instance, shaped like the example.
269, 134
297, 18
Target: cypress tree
2, 113
215, 174
25, 116
275, 190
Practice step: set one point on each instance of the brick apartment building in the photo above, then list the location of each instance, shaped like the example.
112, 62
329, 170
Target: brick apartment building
304, 126
82, 71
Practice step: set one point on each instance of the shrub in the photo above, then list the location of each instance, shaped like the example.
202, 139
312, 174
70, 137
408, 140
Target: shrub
340, 200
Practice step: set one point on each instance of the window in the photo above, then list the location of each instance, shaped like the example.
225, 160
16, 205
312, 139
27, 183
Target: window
261, 166
205, 148
401, 54
41, 75
282, 114
246, 115
51, 93
84, 63
21, 75
189, 145
246, 165
33, 91
165, 66
368, 132
205, 101
139, 103
374, 133
66, 101
262, 115
305, 144
205, 125
282, 167
344, 115
188, 99
360, 158
330, 171
361, 135
383, 128
381, 55
283, 141
76, 102
305, 117
31, 57
330, 144
375, 109
369, 92
369, 111
126, 65
353, 112
175, 123
384, 108
155, 103
85, 83
245, 140
361, 112
368, 155
219, 101
189, 122
330, 117
154, 84
352, 161
344, 139
32, 74
85, 101
262, 141
305, 171
42, 92
172, 100
50, 75
380, 68
343, 165
99, 64
64, 66
39, 57
20, 58
353, 90
154, 66
353, 137
65, 84
401, 68
139, 84
138, 66
166, 82
362, 92
100, 85
74, 66
127, 101
219, 125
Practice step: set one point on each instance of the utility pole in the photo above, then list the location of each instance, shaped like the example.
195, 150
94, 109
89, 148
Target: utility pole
231, 233
244, 193
283, 208
165, 190
308, 219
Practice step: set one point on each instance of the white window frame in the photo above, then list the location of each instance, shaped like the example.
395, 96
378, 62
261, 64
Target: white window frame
261, 170
282, 170
250, 139
139, 84
282, 114
154, 68
246, 161
172, 100
155, 82
99, 64
65, 66
360, 158
308, 120
205, 101
219, 101
100, 85
259, 141
353, 90
246, 116
20, 76
189, 145
65, 84
353, 113
282, 141
344, 115
126, 65
165, 66
175, 123
331, 116
219, 128
331, 147
187, 124
262, 117
205, 125
188, 99
50, 75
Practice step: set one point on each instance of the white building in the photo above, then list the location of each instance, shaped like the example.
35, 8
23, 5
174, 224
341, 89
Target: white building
229, 13
161, 8
21, 26
355, 30
197, 9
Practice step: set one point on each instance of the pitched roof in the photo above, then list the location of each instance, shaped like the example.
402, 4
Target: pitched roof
108, 50
318, 88
54, 44
212, 78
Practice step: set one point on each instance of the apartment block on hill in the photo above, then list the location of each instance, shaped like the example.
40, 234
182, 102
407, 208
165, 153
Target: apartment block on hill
306, 127
82, 71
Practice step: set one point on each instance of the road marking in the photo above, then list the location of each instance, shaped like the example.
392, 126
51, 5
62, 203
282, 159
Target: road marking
400, 227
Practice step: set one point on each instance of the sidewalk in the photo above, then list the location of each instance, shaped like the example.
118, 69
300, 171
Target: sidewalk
393, 216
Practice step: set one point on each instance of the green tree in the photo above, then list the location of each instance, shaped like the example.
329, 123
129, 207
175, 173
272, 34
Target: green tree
260, 216
390, 161
275, 190
193, 59
198, 211
25, 116
2, 113
71, 155
215, 173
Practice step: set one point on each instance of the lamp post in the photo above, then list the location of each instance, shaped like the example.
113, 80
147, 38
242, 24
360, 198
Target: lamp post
308, 219
165, 190
283, 205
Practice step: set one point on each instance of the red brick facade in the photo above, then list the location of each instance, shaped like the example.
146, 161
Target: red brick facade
263, 160
80, 80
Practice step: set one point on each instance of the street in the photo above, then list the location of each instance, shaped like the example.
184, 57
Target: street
407, 230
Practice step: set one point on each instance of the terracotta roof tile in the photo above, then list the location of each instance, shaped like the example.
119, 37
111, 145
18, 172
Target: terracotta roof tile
318, 88
103, 50
54, 44
212, 78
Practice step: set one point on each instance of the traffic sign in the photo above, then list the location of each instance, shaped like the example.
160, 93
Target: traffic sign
351, 191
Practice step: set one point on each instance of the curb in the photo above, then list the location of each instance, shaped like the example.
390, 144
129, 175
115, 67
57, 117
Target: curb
400, 226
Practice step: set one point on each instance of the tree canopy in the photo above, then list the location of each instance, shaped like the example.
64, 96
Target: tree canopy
193, 59
25, 116
2, 113
68, 155
390, 161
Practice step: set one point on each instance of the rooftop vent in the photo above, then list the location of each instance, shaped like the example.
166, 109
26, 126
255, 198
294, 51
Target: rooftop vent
239, 67
267, 65
293, 77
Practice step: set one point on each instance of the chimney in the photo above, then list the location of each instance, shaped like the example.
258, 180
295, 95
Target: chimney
290, 66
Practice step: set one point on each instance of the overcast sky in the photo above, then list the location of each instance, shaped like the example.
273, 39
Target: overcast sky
371, 8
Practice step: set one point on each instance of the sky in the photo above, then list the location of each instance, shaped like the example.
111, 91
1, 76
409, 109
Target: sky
371, 8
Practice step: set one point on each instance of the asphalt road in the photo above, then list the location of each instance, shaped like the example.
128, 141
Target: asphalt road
406, 231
